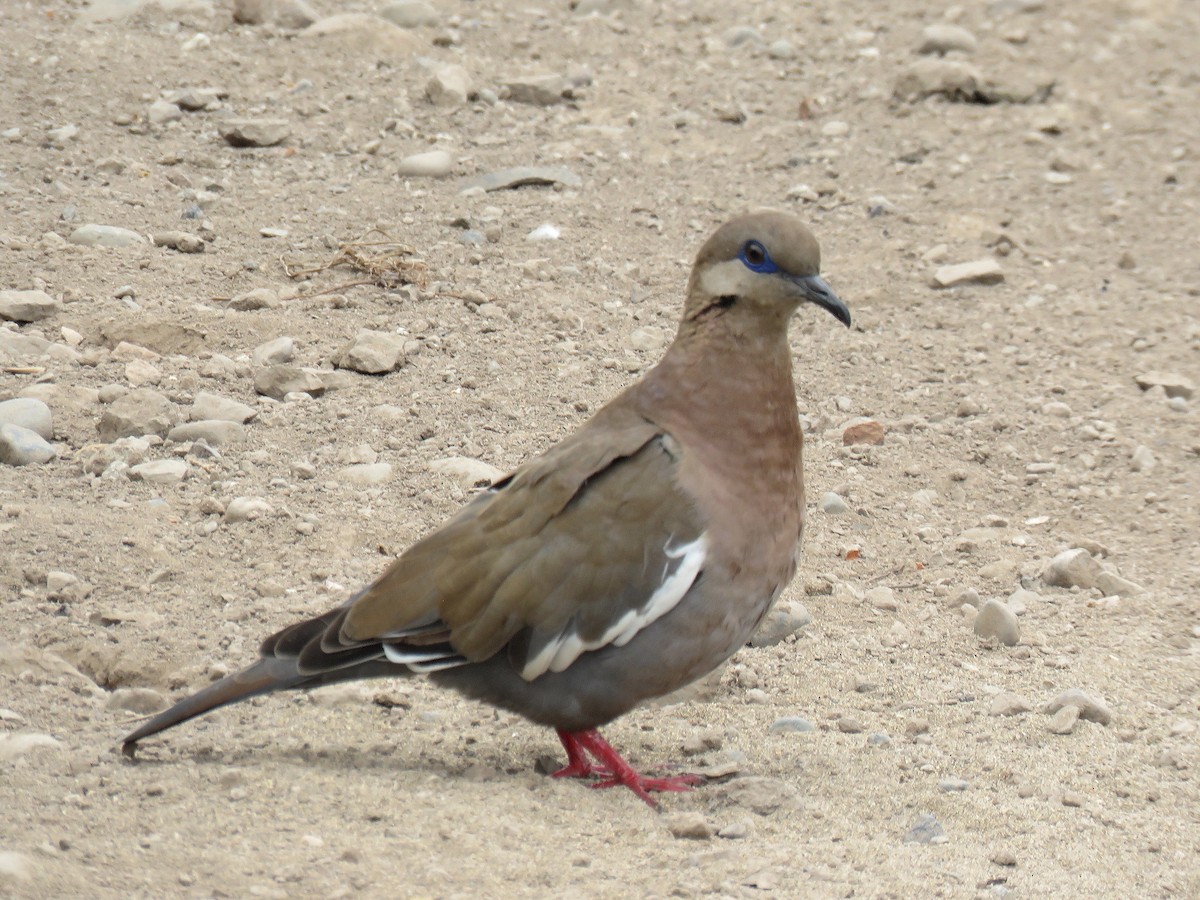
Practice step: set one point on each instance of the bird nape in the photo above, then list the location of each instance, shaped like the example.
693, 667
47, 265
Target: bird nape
628, 560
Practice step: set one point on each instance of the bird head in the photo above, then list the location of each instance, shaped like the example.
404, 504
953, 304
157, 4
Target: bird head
764, 263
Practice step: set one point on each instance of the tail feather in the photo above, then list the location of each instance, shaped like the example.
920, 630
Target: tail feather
264, 677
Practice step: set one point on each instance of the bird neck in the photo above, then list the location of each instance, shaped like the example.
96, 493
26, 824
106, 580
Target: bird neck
730, 375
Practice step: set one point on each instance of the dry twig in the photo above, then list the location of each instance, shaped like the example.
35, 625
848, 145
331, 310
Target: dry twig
387, 263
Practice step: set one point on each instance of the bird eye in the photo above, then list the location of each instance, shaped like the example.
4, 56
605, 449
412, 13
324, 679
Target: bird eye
756, 258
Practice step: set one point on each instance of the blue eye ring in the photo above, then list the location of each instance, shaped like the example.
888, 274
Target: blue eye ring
754, 256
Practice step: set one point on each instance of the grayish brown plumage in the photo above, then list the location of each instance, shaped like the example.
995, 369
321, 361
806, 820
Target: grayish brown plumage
626, 561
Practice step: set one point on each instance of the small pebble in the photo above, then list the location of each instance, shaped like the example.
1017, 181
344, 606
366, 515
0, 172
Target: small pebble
997, 620
791, 725
953, 785
431, 164
21, 446
1071, 568
882, 598
834, 504
926, 830
246, 509
1063, 721
689, 825
30, 413
105, 236
1009, 704
1091, 708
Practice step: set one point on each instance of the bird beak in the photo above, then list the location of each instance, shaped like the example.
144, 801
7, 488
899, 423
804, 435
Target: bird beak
815, 290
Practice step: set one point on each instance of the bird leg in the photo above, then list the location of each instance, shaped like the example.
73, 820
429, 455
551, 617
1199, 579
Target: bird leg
612, 769
578, 765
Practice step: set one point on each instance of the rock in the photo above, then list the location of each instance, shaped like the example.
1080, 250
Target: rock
247, 509
160, 471
139, 372
142, 701
980, 271
432, 164
780, 623
882, 598
95, 459
648, 339
27, 306
548, 231
278, 381
762, 795
1071, 568
363, 34
926, 830
254, 132
469, 473
1142, 459
214, 432
925, 77
410, 13
258, 298
139, 412
1114, 585
105, 236
274, 352
14, 867
28, 413
1174, 384
18, 348
1020, 600
521, 176
1008, 704
290, 14
850, 725
450, 85
791, 725
366, 473
294, 14
372, 353
1090, 708
689, 826
162, 111
996, 620
213, 406
16, 745
536, 90
1004, 858
942, 38
868, 432
833, 504
953, 785
160, 335
1064, 721
178, 240
20, 446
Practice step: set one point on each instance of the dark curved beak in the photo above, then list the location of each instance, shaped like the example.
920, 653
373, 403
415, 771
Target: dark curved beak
816, 291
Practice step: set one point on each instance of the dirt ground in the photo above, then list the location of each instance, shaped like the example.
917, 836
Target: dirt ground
1063, 146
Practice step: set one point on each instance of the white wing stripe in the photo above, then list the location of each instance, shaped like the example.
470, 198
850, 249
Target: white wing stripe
559, 653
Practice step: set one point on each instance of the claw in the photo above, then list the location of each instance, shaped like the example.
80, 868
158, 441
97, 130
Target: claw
612, 769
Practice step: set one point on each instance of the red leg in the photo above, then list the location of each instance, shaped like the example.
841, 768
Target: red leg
578, 765
613, 769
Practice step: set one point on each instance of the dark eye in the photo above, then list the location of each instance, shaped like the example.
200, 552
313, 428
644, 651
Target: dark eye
754, 253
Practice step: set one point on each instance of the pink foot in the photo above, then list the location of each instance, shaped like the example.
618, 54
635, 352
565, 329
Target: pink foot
613, 770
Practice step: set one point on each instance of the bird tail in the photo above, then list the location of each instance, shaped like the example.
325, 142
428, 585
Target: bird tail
264, 677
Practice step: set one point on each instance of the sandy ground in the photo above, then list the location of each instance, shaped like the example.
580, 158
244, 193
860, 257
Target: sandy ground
1015, 430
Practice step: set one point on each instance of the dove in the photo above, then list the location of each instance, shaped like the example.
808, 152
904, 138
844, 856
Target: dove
631, 558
